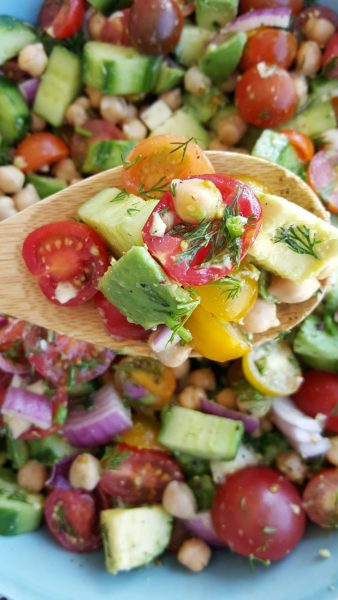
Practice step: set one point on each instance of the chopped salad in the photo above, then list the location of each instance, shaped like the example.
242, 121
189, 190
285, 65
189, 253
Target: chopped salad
180, 453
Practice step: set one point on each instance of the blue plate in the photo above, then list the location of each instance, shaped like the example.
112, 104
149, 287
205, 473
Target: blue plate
32, 567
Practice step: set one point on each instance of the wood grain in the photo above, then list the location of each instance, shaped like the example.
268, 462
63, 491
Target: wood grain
20, 295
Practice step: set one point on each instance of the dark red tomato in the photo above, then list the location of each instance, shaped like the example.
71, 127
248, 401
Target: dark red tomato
98, 130
13, 72
62, 18
137, 476
63, 360
258, 512
294, 5
12, 356
199, 268
66, 253
330, 58
266, 95
320, 498
273, 46
155, 26
323, 177
59, 401
319, 394
73, 520
115, 29
116, 323
179, 534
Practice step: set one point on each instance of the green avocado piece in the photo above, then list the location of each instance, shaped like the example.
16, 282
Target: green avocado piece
106, 154
213, 14
205, 106
221, 59
183, 122
316, 346
46, 186
192, 44
168, 78
140, 289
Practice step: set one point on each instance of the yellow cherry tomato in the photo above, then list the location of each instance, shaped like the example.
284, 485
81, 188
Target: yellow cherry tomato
143, 433
255, 184
232, 298
214, 339
157, 381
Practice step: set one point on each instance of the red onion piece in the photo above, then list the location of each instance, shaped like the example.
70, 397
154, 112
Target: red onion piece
132, 391
310, 450
107, 418
59, 474
287, 411
13, 367
29, 88
159, 340
201, 526
269, 17
213, 408
3, 321
35, 408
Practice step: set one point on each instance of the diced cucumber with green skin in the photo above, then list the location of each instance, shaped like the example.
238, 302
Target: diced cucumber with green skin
50, 449
184, 123
106, 154
168, 78
119, 70
59, 86
17, 451
119, 222
220, 60
206, 106
14, 35
275, 147
201, 435
322, 90
314, 121
315, 346
46, 186
192, 44
213, 14
134, 537
15, 116
20, 512
139, 288
107, 7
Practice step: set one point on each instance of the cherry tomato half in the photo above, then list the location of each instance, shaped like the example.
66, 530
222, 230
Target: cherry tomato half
320, 498
66, 253
323, 177
97, 130
200, 268
63, 360
137, 476
116, 323
155, 26
330, 58
12, 355
319, 394
266, 95
273, 46
62, 18
72, 519
115, 29
302, 143
294, 5
257, 512
39, 149
145, 380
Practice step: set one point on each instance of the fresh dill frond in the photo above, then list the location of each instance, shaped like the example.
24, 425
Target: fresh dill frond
128, 164
298, 238
159, 187
182, 146
232, 285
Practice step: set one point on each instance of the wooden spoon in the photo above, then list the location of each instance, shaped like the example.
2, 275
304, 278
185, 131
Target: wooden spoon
21, 297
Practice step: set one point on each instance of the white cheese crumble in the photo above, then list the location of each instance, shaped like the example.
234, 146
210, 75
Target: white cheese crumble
158, 226
265, 70
64, 292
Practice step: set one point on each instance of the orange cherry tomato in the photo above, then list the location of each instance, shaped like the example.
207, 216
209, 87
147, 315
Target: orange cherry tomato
156, 161
145, 381
39, 149
143, 433
302, 143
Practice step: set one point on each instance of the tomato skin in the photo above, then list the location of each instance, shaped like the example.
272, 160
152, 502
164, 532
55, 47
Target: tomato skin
72, 519
100, 130
160, 31
252, 513
143, 433
115, 29
141, 476
116, 323
266, 101
323, 178
166, 248
319, 394
330, 58
295, 5
269, 45
61, 19
320, 498
302, 143
39, 149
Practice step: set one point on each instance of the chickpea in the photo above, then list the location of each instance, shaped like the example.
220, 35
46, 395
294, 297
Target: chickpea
301, 87
183, 370
33, 59
196, 82
113, 109
319, 30
26, 197
66, 169
173, 98
308, 59
132, 113
174, 356
261, 317
191, 396
7, 208
38, 124
194, 554
203, 378
216, 144
227, 398
95, 25
95, 96
32, 476
76, 114
134, 130
196, 200
178, 500
11, 179
85, 472
332, 454
231, 129
291, 464
290, 292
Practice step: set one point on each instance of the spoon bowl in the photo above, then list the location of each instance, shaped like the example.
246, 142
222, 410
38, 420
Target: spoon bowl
21, 297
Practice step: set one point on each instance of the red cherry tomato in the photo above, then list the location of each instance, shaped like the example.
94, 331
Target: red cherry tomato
137, 476
115, 29
59, 401
12, 356
98, 130
315, 12
330, 58
294, 5
63, 360
323, 177
116, 323
258, 512
266, 95
319, 394
10, 332
302, 143
155, 26
195, 270
66, 252
72, 518
62, 18
269, 45
39, 149
320, 498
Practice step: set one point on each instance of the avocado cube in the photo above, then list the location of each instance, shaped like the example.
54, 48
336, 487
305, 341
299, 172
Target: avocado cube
221, 59
213, 14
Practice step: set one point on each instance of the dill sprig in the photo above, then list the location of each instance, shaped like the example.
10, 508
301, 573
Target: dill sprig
159, 187
182, 146
128, 164
122, 195
298, 238
232, 285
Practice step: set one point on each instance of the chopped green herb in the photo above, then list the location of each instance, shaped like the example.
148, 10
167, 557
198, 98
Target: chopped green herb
268, 530
182, 146
122, 195
158, 188
82, 131
232, 284
235, 225
298, 238
128, 164
254, 559
61, 415
113, 458
132, 211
